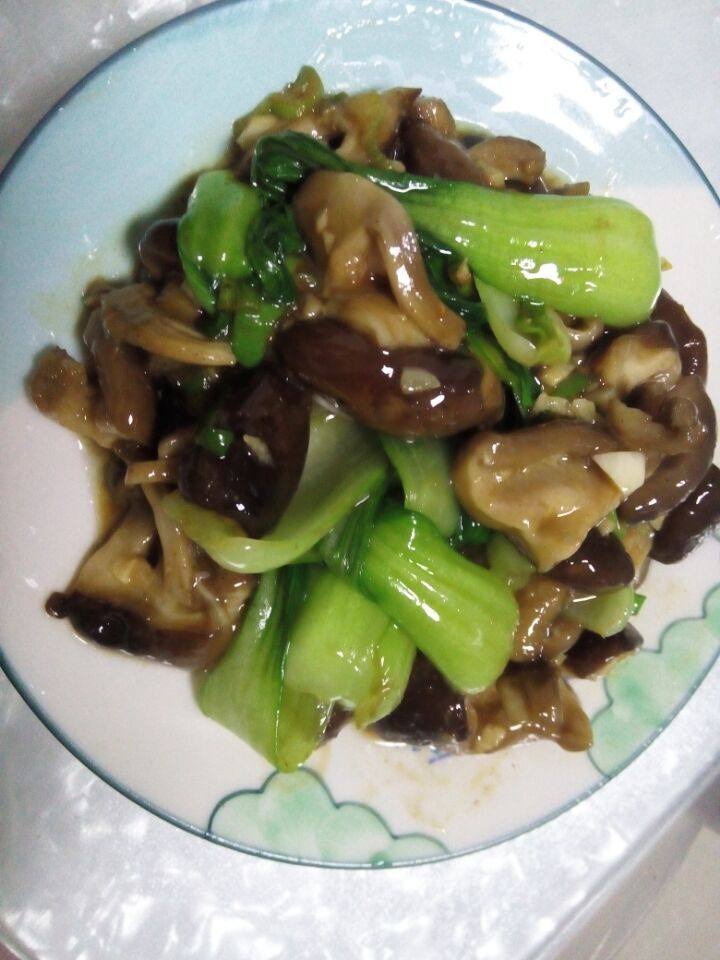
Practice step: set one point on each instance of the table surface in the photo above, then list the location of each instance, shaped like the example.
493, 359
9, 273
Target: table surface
663, 50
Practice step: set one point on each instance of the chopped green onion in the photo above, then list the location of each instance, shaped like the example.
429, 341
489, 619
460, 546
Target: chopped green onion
638, 603
215, 440
572, 386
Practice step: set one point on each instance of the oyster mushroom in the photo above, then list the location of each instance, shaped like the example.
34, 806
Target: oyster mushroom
181, 608
358, 233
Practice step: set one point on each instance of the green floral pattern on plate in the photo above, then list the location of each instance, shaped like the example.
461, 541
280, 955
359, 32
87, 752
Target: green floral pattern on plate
646, 690
294, 815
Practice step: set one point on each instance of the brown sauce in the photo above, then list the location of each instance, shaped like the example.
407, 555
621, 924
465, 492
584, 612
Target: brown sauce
593, 655
529, 701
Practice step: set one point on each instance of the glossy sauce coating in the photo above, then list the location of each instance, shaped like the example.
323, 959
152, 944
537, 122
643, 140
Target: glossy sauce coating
678, 475
600, 563
269, 419
593, 654
430, 710
685, 526
370, 381
690, 339
428, 152
119, 629
158, 250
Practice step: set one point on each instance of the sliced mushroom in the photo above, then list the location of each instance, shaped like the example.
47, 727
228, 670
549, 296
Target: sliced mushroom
529, 701
158, 250
435, 113
512, 158
125, 385
444, 394
582, 331
60, 389
131, 315
539, 485
429, 152
357, 233
429, 712
686, 525
376, 316
648, 353
178, 609
540, 602
687, 414
689, 337
593, 655
600, 563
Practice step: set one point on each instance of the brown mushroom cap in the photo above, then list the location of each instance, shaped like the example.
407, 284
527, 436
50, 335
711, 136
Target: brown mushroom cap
457, 393
539, 485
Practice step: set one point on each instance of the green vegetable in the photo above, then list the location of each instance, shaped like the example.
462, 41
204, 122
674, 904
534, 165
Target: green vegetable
638, 603
525, 388
343, 648
589, 256
394, 656
246, 690
252, 326
333, 641
343, 549
273, 239
470, 532
296, 98
480, 339
215, 440
425, 473
460, 615
606, 614
343, 465
505, 560
213, 231
236, 256
439, 258
572, 386
531, 337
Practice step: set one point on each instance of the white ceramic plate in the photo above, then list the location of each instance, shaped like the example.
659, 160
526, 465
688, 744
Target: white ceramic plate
108, 154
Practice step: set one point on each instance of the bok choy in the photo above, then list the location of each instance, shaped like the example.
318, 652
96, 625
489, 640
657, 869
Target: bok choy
344, 648
589, 256
460, 615
246, 691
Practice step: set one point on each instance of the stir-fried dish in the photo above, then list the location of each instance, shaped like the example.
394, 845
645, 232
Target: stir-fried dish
394, 423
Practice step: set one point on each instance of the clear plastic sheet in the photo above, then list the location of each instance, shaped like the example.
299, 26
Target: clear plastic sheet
84, 873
